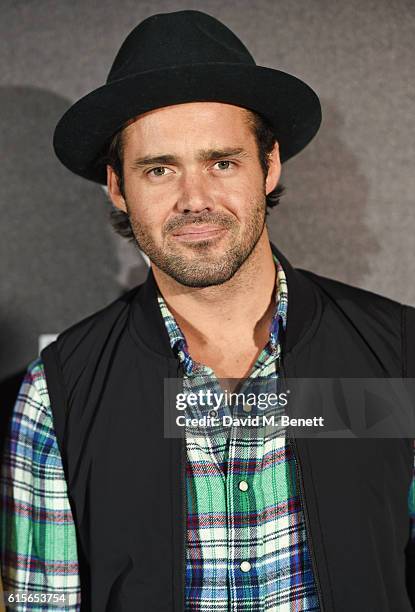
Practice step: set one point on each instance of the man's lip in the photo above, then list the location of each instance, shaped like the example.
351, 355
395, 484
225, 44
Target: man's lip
197, 229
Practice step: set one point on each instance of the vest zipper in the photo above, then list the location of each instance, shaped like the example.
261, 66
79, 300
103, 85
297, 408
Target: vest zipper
300, 480
180, 372
299, 474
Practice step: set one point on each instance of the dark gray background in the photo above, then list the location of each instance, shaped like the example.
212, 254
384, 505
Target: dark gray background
348, 211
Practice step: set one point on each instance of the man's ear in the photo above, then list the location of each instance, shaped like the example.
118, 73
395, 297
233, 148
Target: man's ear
114, 192
274, 169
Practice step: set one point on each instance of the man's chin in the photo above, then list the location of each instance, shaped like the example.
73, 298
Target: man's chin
199, 272
198, 282
201, 263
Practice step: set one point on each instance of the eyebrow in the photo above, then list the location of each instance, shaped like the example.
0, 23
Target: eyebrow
203, 155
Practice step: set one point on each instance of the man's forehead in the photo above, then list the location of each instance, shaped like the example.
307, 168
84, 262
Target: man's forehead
196, 111
220, 125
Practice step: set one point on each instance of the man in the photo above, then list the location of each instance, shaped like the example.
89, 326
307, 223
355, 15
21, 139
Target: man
100, 504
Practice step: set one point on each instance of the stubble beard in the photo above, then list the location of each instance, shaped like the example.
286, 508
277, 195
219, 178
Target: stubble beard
197, 264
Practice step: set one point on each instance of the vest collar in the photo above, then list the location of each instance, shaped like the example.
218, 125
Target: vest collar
303, 307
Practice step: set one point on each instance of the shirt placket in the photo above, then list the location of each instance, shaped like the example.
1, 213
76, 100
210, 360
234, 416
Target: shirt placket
246, 446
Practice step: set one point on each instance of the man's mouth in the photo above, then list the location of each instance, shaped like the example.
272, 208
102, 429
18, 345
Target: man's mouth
191, 233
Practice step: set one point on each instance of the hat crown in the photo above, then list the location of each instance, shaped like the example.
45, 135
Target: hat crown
176, 39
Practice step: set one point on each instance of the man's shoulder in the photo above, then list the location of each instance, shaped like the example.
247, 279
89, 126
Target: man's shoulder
384, 323
373, 315
343, 293
95, 326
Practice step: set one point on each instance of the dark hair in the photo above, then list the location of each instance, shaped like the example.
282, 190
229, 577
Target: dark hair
265, 139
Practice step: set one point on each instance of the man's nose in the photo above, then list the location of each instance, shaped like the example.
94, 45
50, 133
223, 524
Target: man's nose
195, 194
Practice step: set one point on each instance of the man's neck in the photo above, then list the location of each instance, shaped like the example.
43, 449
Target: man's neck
241, 308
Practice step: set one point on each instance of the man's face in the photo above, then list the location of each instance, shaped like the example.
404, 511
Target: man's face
194, 190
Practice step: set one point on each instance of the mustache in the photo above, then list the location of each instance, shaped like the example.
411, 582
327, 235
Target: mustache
219, 219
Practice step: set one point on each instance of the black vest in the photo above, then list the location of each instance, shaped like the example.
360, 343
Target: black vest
126, 480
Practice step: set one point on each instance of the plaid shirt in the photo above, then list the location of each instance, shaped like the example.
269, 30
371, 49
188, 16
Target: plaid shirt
225, 525
228, 527
38, 535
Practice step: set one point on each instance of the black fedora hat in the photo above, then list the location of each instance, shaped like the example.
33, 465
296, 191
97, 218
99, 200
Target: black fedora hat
173, 58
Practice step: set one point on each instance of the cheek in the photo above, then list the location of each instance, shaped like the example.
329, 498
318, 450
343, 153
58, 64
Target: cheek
145, 208
245, 199
148, 221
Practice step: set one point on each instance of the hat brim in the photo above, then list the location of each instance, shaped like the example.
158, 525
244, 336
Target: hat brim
289, 104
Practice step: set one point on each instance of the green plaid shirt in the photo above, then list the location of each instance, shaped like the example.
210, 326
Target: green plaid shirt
246, 539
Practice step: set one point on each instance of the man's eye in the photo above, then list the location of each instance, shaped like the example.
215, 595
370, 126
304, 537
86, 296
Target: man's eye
159, 171
224, 164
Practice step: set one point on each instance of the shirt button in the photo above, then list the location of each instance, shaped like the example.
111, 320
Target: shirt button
245, 566
247, 408
243, 485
